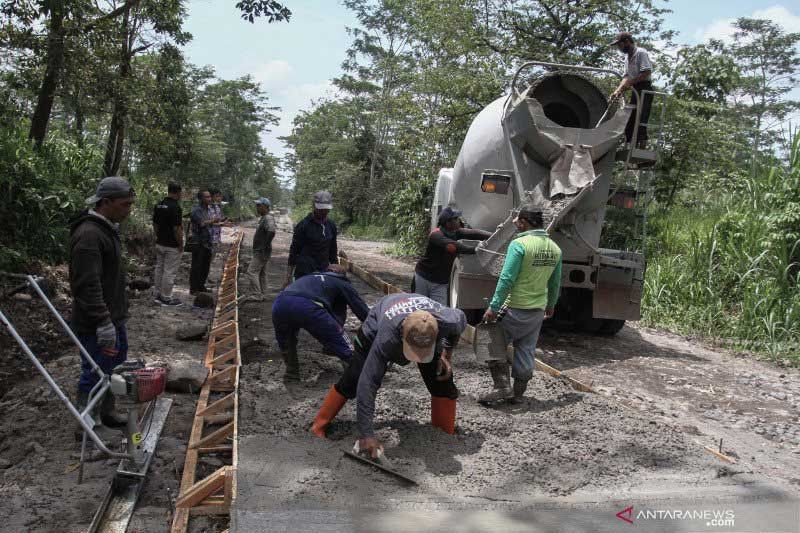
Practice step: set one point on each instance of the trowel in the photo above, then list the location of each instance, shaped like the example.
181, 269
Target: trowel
381, 462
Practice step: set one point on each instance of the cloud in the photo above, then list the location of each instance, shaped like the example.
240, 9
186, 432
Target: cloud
293, 98
273, 74
722, 29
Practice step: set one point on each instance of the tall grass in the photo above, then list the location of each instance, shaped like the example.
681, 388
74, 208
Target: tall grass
729, 270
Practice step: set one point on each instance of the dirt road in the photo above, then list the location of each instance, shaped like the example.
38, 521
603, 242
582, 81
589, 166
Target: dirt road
639, 439
38, 453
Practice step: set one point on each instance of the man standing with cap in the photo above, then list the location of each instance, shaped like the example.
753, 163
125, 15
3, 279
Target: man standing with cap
318, 304
168, 228
262, 248
529, 286
98, 285
314, 247
400, 328
637, 76
432, 273
202, 222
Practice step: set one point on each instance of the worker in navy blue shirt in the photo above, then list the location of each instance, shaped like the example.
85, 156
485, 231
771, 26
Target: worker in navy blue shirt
318, 304
314, 246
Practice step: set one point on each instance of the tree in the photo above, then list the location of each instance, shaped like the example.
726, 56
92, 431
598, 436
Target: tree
769, 60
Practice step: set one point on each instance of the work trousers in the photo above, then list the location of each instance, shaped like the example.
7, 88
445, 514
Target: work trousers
107, 364
647, 103
521, 328
291, 313
257, 273
201, 264
435, 291
347, 385
168, 260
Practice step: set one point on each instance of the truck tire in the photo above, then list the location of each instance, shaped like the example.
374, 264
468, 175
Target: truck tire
611, 327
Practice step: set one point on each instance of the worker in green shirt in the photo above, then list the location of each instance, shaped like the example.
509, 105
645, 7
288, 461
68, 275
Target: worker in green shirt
528, 287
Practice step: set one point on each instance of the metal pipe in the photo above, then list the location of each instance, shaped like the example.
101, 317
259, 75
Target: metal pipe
70, 333
53, 385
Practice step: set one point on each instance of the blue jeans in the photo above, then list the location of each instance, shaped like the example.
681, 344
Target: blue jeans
88, 377
521, 327
291, 313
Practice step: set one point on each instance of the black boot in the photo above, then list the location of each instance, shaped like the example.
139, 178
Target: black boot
292, 364
520, 386
502, 384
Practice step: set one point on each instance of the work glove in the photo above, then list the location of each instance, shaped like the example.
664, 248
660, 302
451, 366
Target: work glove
107, 338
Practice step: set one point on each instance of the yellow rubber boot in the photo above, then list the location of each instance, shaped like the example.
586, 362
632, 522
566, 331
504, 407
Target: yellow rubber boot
331, 406
443, 414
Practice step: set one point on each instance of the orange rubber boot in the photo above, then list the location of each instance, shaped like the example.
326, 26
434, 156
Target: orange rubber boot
443, 414
331, 406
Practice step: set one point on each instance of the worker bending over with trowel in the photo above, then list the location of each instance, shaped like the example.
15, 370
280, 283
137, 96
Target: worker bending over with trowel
317, 303
529, 286
400, 328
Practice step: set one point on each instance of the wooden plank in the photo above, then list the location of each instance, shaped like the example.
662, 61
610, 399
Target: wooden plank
222, 376
203, 489
220, 449
215, 437
720, 455
210, 510
230, 355
216, 420
221, 330
574, 383
223, 404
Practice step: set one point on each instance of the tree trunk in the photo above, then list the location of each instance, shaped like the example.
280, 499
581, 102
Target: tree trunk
116, 132
52, 74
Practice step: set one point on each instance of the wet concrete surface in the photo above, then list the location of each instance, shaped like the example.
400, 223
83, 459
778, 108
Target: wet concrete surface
560, 450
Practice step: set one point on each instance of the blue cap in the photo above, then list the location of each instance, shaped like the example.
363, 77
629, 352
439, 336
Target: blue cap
448, 213
263, 201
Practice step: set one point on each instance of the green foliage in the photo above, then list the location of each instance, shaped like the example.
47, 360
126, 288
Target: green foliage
39, 192
731, 271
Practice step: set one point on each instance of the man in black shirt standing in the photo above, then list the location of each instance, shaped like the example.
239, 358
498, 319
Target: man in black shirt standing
169, 245
314, 247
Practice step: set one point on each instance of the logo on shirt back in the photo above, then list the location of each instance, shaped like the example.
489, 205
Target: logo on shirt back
543, 258
409, 305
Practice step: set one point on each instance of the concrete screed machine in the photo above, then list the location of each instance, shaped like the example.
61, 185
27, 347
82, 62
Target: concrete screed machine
559, 145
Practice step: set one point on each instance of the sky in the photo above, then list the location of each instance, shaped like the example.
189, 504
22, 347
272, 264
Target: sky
295, 61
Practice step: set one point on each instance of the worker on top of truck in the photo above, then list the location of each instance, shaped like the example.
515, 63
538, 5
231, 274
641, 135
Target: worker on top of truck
400, 328
432, 273
637, 76
528, 288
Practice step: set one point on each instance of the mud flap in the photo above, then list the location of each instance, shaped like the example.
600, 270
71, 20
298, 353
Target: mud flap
617, 295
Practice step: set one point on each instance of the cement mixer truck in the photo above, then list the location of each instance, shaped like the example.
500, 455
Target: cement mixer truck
554, 143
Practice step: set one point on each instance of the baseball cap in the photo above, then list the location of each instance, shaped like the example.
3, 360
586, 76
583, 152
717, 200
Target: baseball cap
621, 36
323, 200
419, 336
111, 187
263, 201
531, 214
448, 213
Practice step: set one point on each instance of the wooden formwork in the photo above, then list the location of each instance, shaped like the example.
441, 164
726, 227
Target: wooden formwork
469, 333
216, 421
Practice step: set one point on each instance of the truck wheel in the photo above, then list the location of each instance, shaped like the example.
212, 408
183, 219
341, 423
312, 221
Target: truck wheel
585, 322
611, 326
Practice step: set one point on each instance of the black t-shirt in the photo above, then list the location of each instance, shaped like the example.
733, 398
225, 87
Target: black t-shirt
166, 215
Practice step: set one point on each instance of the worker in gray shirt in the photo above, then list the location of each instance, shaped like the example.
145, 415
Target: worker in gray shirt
400, 328
638, 72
